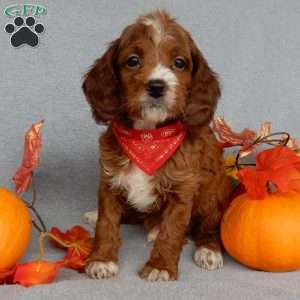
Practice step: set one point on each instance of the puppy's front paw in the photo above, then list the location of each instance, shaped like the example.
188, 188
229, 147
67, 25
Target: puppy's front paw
208, 259
101, 270
153, 274
91, 217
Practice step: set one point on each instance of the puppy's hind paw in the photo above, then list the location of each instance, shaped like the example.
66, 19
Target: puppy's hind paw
91, 217
208, 259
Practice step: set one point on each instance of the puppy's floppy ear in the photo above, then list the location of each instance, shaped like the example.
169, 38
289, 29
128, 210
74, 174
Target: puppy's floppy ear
101, 86
205, 91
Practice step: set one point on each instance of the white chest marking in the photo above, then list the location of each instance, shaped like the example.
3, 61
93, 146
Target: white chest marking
139, 187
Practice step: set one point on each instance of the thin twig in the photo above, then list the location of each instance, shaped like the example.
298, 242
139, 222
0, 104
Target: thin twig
285, 137
41, 245
281, 141
37, 227
39, 218
43, 227
76, 246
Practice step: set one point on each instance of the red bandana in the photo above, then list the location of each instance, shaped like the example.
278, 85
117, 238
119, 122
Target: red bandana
150, 149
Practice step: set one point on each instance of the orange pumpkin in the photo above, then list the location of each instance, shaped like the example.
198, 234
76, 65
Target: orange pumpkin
15, 228
264, 234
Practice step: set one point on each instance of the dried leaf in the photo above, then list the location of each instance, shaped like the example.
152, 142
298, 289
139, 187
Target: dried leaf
265, 129
277, 158
30, 162
6, 276
230, 138
279, 166
78, 243
76, 234
293, 144
36, 272
76, 260
254, 181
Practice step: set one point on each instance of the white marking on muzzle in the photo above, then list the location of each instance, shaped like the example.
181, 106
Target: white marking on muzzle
156, 114
163, 73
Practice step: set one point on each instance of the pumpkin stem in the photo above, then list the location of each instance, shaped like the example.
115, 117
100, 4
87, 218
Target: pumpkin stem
272, 187
44, 228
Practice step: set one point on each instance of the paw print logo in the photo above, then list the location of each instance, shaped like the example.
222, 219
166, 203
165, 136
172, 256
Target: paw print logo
24, 33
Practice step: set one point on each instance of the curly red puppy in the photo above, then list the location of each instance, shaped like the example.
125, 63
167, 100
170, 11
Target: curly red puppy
152, 76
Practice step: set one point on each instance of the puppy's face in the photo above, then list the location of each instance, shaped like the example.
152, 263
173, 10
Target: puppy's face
153, 73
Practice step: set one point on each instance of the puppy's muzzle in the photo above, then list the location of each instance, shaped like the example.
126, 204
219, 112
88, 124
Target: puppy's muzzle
156, 88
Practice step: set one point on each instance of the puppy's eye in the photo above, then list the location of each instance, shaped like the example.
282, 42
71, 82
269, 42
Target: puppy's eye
133, 61
179, 63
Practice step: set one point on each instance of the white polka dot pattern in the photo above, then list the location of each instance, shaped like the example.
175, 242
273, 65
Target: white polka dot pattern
150, 149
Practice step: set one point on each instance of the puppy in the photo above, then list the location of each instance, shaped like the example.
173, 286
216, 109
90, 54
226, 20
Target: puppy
153, 81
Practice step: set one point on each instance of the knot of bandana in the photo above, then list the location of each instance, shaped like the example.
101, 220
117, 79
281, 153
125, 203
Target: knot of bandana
150, 149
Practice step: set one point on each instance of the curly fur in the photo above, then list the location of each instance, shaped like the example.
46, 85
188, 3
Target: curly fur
190, 191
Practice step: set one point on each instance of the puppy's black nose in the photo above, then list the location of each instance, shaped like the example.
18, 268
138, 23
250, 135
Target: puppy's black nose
156, 88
